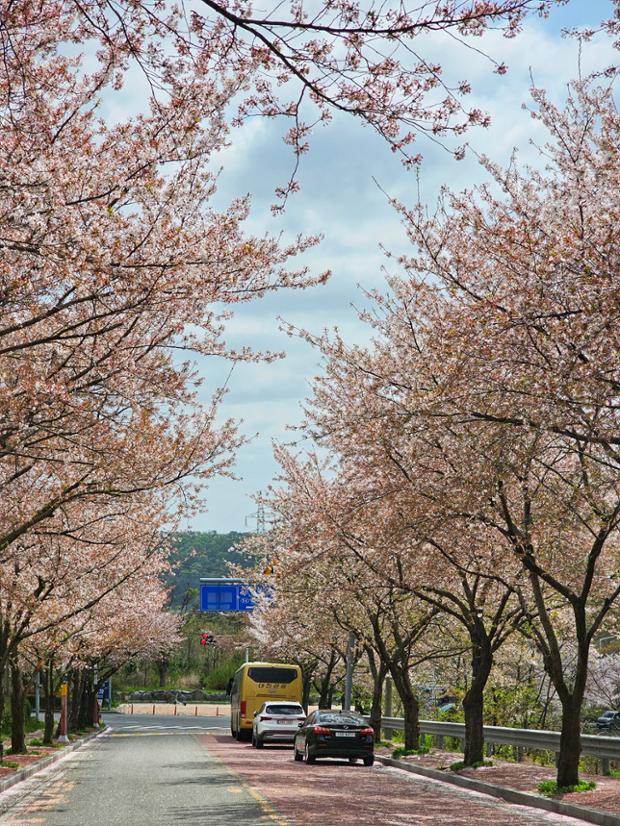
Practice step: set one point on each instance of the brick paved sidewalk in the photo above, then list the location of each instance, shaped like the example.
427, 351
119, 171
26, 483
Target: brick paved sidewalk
524, 777
36, 756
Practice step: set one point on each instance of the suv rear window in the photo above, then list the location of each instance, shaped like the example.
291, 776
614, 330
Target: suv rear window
344, 719
283, 710
269, 674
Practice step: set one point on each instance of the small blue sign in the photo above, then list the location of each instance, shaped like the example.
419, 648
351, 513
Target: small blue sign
103, 693
225, 596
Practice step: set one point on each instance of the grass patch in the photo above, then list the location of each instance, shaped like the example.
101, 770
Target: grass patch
549, 787
36, 742
403, 752
9, 764
456, 767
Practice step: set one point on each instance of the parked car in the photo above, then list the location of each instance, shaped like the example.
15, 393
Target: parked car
609, 721
335, 734
276, 721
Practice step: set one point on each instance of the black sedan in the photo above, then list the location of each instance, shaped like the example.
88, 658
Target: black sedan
335, 734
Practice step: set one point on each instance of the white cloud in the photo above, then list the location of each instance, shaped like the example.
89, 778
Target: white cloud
340, 199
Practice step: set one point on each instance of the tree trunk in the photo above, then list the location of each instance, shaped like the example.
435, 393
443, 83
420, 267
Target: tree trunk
378, 671
48, 695
570, 743
2, 703
411, 713
5, 653
411, 708
75, 693
323, 687
85, 713
306, 685
473, 751
18, 719
473, 702
162, 670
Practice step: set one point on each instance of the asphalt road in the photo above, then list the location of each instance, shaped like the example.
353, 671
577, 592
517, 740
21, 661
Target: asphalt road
145, 773
164, 771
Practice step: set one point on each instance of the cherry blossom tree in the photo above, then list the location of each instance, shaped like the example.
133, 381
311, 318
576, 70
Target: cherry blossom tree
113, 263
497, 353
603, 686
301, 63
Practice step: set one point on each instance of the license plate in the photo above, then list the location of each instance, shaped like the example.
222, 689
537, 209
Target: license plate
283, 722
344, 733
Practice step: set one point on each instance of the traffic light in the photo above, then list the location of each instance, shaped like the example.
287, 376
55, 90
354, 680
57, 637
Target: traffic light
207, 639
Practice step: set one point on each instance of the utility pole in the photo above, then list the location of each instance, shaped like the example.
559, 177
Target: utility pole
387, 733
348, 680
37, 695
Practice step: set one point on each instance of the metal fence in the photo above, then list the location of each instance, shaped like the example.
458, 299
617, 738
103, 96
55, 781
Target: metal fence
596, 745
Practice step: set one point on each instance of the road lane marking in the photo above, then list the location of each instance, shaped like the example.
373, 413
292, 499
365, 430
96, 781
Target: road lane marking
266, 805
263, 803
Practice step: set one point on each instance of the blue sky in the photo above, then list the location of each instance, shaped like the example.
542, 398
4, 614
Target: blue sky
340, 200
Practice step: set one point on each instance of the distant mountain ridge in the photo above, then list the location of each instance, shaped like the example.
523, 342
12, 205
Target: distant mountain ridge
202, 553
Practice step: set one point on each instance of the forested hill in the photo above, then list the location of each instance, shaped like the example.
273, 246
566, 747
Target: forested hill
197, 554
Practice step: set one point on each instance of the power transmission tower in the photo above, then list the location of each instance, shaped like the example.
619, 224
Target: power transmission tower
259, 515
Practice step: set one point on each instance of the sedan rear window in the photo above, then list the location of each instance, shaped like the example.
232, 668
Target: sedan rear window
342, 719
292, 710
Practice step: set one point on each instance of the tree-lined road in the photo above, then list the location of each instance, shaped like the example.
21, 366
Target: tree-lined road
173, 770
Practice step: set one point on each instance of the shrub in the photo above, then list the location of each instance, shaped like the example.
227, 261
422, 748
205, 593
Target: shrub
550, 787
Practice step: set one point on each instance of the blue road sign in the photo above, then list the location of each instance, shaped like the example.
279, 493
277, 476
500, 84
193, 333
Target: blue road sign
225, 595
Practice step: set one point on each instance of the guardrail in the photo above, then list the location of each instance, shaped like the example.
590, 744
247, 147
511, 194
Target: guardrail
597, 745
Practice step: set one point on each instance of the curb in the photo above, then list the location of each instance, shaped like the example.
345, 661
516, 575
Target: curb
33, 768
510, 795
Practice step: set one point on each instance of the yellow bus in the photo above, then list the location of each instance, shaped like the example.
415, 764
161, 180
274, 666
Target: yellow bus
253, 684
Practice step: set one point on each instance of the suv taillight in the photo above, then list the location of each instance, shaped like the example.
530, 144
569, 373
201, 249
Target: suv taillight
262, 717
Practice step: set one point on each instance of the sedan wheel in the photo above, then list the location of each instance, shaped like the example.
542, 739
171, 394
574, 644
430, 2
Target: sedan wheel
298, 755
368, 761
307, 756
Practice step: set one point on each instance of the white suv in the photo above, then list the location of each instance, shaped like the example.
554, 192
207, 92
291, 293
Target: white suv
278, 721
